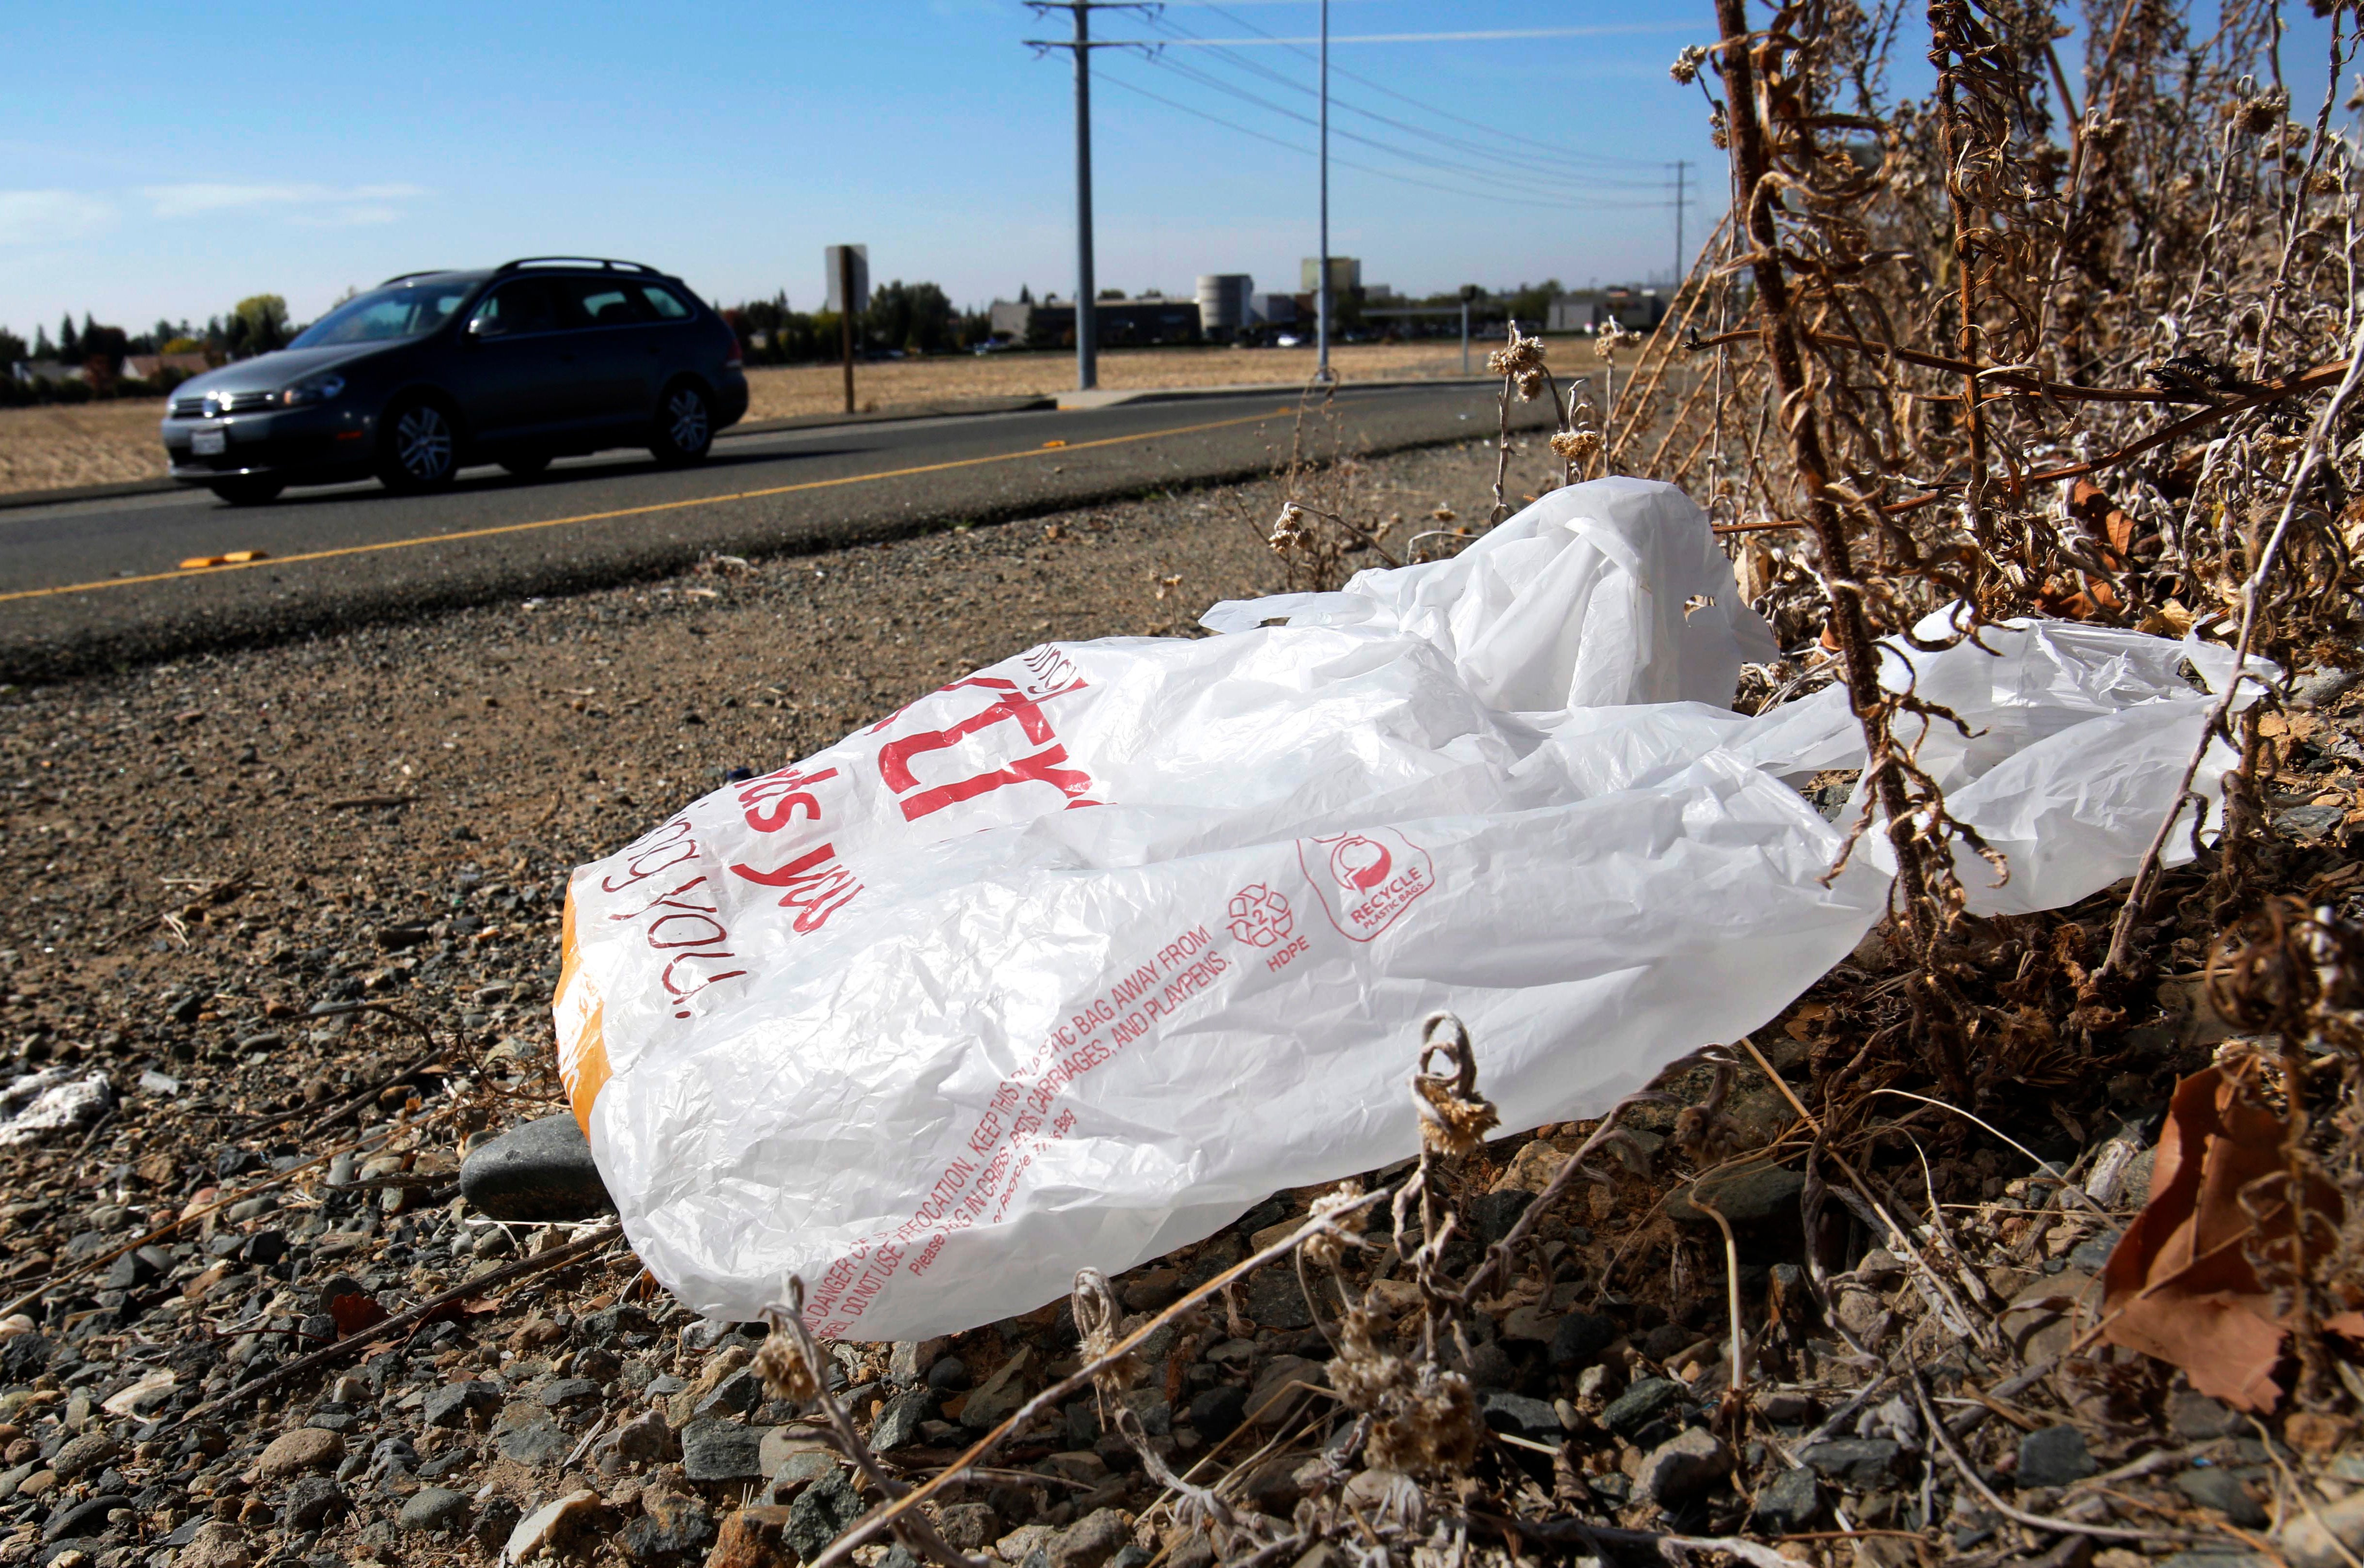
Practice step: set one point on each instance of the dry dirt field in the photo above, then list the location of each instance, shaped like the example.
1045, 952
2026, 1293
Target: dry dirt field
109, 444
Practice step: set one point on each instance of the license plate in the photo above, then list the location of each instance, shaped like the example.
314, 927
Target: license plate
209, 443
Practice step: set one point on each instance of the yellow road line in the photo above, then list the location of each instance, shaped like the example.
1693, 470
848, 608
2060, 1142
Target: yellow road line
631, 511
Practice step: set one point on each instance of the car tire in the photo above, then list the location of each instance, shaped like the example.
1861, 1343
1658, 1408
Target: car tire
418, 447
684, 431
527, 465
247, 492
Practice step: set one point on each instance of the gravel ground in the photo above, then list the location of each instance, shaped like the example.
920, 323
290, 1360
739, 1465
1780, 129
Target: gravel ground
208, 852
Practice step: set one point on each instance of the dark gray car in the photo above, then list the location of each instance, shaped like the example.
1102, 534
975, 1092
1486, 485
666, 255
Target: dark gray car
427, 372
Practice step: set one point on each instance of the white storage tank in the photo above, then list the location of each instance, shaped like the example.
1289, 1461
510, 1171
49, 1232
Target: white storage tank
1224, 303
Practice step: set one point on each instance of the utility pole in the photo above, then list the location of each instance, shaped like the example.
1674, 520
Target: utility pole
1087, 370
1321, 294
1681, 164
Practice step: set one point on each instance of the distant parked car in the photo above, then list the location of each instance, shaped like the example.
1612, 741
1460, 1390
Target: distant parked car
429, 372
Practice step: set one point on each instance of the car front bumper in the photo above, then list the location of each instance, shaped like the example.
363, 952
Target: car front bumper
297, 445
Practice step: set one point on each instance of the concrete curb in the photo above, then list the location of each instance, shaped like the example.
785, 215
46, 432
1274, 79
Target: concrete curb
1111, 399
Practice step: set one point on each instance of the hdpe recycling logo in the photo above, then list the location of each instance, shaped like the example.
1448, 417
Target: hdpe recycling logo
1259, 916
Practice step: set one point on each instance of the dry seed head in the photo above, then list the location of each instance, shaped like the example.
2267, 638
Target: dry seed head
1686, 68
1521, 359
785, 1372
1578, 445
1324, 1247
1423, 1421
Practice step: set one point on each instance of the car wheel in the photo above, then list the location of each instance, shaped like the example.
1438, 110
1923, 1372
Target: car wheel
528, 465
247, 492
685, 428
417, 447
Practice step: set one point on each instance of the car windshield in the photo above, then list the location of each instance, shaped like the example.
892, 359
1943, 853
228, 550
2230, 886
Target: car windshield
404, 310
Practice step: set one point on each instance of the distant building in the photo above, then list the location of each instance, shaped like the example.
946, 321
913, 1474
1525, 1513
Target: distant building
50, 372
148, 367
1588, 310
1224, 310
1345, 275
1273, 309
1123, 323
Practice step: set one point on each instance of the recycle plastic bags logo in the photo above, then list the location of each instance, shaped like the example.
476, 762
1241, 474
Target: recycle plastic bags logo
1260, 917
1366, 881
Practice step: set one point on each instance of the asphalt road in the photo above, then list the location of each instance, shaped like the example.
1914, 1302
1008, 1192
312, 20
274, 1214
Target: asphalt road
98, 584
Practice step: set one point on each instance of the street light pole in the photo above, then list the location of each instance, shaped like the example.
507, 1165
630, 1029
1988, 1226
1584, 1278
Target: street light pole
1321, 294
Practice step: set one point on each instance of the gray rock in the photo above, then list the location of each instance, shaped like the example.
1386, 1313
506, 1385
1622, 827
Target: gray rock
1090, 1541
566, 1391
1218, 1411
2222, 1490
88, 1451
538, 1171
1578, 1340
720, 1450
1275, 1299
87, 1518
734, 1396
1495, 1213
496, 1519
1641, 1405
452, 1404
1789, 1504
820, 1514
911, 1360
1684, 1467
2309, 821
1534, 1420
1276, 1397
1746, 1195
968, 1527
898, 1423
2195, 1418
311, 1503
2054, 1456
2323, 687
669, 1525
537, 1443
1859, 1464
431, 1508
645, 1439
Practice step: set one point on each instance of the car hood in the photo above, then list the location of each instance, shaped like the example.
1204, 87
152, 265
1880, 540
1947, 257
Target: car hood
267, 373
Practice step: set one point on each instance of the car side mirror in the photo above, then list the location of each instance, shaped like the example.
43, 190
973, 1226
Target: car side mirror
478, 326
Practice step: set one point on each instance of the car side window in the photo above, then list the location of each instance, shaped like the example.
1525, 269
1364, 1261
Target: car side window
524, 306
664, 302
596, 302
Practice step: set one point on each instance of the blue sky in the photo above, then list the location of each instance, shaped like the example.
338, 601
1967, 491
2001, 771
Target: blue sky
166, 160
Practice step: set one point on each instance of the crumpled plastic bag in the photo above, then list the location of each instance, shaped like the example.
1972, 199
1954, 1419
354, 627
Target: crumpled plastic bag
1072, 960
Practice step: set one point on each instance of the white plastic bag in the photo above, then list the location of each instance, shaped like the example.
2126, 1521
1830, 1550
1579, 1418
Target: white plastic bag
1073, 959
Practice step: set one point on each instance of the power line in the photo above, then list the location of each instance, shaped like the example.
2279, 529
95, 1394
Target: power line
1443, 165
1488, 36
1428, 107
1572, 163
1367, 168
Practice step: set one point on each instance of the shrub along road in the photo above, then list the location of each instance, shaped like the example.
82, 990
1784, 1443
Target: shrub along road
96, 583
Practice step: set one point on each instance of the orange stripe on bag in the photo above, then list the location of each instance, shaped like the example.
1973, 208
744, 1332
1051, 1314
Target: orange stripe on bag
576, 1012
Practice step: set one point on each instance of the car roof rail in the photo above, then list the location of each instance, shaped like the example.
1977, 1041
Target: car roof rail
423, 273
602, 263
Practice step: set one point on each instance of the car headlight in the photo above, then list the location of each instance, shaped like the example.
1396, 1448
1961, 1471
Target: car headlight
319, 389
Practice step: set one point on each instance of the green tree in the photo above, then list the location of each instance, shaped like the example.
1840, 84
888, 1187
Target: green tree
68, 340
257, 324
12, 348
915, 317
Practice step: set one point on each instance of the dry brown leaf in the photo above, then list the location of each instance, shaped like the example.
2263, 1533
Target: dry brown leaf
2180, 1285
